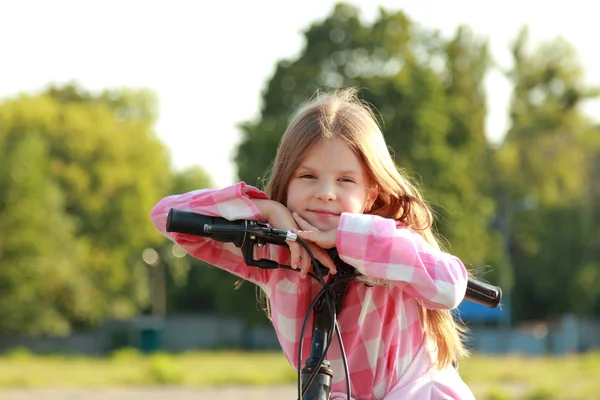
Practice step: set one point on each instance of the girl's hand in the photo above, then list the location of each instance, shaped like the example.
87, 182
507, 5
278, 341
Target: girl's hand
323, 239
279, 217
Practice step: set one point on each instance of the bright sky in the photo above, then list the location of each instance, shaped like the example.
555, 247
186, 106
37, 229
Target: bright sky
208, 61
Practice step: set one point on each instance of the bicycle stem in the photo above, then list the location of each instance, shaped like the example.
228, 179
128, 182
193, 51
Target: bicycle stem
320, 387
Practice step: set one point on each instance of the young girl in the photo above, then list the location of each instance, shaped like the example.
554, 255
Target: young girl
335, 184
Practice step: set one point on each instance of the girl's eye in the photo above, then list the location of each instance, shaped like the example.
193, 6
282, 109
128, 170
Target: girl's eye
346, 180
307, 176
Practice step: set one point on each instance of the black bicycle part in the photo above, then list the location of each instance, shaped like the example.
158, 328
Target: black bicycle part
223, 230
314, 380
483, 293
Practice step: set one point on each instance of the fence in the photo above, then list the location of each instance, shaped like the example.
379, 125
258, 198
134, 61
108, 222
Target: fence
196, 332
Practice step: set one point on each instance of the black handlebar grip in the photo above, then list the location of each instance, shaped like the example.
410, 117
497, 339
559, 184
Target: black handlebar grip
194, 224
483, 293
188, 222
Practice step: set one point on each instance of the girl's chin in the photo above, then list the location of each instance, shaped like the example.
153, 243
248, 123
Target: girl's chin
324, 226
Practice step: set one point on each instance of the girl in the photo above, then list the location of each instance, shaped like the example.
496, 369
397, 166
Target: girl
335, 184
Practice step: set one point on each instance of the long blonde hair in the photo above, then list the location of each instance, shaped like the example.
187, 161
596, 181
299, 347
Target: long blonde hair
342, 115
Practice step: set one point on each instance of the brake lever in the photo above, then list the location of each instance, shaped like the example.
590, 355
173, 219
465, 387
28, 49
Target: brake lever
263, 233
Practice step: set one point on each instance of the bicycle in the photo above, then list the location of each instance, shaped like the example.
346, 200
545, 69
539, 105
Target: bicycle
314, 378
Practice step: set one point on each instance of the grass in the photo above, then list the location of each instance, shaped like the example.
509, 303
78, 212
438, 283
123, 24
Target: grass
492, 378
531, 378
130, 368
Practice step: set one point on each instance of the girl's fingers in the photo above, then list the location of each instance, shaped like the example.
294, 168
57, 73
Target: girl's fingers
323, 257
305, 226
305, 262
294, 255
305, 265
325, 240
299, 259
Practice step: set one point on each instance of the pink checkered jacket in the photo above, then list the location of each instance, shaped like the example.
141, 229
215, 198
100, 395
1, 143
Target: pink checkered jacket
386, 347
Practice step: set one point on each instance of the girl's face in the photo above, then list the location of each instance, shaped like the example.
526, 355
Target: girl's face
330, 180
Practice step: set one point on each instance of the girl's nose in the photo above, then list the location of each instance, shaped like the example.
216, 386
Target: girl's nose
326, 191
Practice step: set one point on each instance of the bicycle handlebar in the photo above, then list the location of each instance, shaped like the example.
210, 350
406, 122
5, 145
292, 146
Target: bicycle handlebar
223, 230
314, 380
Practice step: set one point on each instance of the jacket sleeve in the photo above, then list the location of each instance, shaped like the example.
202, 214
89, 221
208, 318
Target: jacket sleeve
383, 248
232, 203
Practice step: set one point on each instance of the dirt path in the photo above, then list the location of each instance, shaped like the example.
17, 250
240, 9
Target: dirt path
229, 393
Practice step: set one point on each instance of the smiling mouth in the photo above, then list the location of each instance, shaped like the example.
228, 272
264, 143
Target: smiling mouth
324, 213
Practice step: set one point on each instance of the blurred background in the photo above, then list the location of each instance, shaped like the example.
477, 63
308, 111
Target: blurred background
106, 107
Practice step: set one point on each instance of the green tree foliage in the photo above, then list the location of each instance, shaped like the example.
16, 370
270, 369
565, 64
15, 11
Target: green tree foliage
79, 174
547, 165
429, 95
189, 287
198, 287
39, 281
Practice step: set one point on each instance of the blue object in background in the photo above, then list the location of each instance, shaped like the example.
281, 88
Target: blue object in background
470, 311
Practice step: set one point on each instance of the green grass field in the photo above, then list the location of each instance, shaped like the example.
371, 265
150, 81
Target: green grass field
494, 378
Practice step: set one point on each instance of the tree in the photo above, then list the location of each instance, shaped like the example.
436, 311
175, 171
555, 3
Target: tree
428, 93
40, 284
196, 286
548, 157
89, 169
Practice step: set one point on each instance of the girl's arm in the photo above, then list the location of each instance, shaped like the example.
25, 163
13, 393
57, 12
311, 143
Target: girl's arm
381, 248
235, 202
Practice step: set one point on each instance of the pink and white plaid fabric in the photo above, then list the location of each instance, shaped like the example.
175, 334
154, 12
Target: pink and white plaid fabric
385, 344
